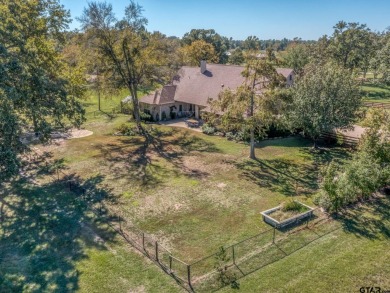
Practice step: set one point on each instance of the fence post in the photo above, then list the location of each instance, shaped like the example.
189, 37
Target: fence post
157, 251
273, 238
189, 275
120, 223
234, 256
170, 263
143, 241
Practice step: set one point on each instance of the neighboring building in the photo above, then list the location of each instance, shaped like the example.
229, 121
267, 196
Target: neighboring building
191, 89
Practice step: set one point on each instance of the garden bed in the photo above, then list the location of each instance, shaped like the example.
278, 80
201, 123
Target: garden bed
280, 217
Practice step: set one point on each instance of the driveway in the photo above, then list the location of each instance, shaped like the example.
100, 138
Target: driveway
356, 132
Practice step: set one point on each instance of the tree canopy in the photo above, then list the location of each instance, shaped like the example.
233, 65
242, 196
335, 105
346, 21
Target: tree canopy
35, 92
325, 98
254, 104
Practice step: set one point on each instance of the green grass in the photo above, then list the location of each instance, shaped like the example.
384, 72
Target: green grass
376, 93
193, 193
352, 257
50, 242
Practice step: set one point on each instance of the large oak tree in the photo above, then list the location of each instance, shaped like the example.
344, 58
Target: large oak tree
35, 94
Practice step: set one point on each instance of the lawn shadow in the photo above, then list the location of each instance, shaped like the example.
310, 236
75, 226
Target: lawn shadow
44, 231
369, 220
150, 160
280, 175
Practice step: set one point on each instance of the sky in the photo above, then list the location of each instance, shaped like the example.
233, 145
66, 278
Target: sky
306, 19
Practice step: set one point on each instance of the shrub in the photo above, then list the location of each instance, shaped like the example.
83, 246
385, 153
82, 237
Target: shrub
293, 206
146, 117
126, 129
208, 129
163, 116
173, 115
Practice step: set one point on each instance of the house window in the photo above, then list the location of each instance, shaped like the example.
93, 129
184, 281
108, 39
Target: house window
190, 107
180, 108
290, 76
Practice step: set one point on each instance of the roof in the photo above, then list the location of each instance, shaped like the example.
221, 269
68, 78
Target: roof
166, 96
193, 87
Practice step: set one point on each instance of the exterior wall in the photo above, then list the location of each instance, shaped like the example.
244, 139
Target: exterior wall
156, 111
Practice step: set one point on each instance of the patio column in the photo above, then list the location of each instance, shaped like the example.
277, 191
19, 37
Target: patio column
196, 111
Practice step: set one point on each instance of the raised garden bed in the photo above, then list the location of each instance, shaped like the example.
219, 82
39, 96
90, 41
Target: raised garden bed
280, 217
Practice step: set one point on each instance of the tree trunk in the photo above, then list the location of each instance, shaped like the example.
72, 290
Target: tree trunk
98, 99
252, 145
136, 114
315, 146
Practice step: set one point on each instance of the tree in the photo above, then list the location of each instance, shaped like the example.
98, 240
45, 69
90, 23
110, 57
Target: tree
366, 172
197, 51
325, 98
251, 43
220, 43
254, 104
35, 91
350, 44
297, 57
237, 57
132, 53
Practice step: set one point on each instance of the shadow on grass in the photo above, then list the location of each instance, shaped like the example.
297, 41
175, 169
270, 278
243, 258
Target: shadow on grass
44, 231
287, 176
370, 220
151, 160
280, 175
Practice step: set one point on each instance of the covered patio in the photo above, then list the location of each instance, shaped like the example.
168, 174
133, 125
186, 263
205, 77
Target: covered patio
192, 124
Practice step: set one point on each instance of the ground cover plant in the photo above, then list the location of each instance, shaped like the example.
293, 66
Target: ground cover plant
288, 210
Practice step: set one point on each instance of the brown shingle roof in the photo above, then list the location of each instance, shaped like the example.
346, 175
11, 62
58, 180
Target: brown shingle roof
165, 97
193, 87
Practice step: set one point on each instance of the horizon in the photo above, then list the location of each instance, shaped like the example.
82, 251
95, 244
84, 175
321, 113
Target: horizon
305, 19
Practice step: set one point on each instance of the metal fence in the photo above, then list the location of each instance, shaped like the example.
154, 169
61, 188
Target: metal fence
218, 269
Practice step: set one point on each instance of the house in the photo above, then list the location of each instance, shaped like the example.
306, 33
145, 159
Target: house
191, 89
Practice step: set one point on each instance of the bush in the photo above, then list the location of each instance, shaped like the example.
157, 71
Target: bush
126, 129
173, 115
163, 116
208, 129
293, 206
146, 117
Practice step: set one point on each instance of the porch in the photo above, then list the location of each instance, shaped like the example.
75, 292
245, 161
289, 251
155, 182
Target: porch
192, 124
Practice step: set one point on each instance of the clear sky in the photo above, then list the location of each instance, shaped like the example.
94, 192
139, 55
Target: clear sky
267, 19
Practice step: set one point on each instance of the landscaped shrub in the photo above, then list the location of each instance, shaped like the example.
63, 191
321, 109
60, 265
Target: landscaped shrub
163, 116
173, 115
146, 117
368, 171
125, 129
208, 129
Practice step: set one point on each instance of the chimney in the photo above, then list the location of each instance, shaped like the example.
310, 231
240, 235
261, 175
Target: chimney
202, 66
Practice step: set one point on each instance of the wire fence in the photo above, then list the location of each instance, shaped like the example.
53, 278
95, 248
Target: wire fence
214, 271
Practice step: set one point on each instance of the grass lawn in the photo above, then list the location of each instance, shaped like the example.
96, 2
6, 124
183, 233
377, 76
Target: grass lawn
376, 93
194, 193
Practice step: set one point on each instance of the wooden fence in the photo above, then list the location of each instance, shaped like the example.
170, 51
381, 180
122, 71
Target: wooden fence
339, 138
385, 105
